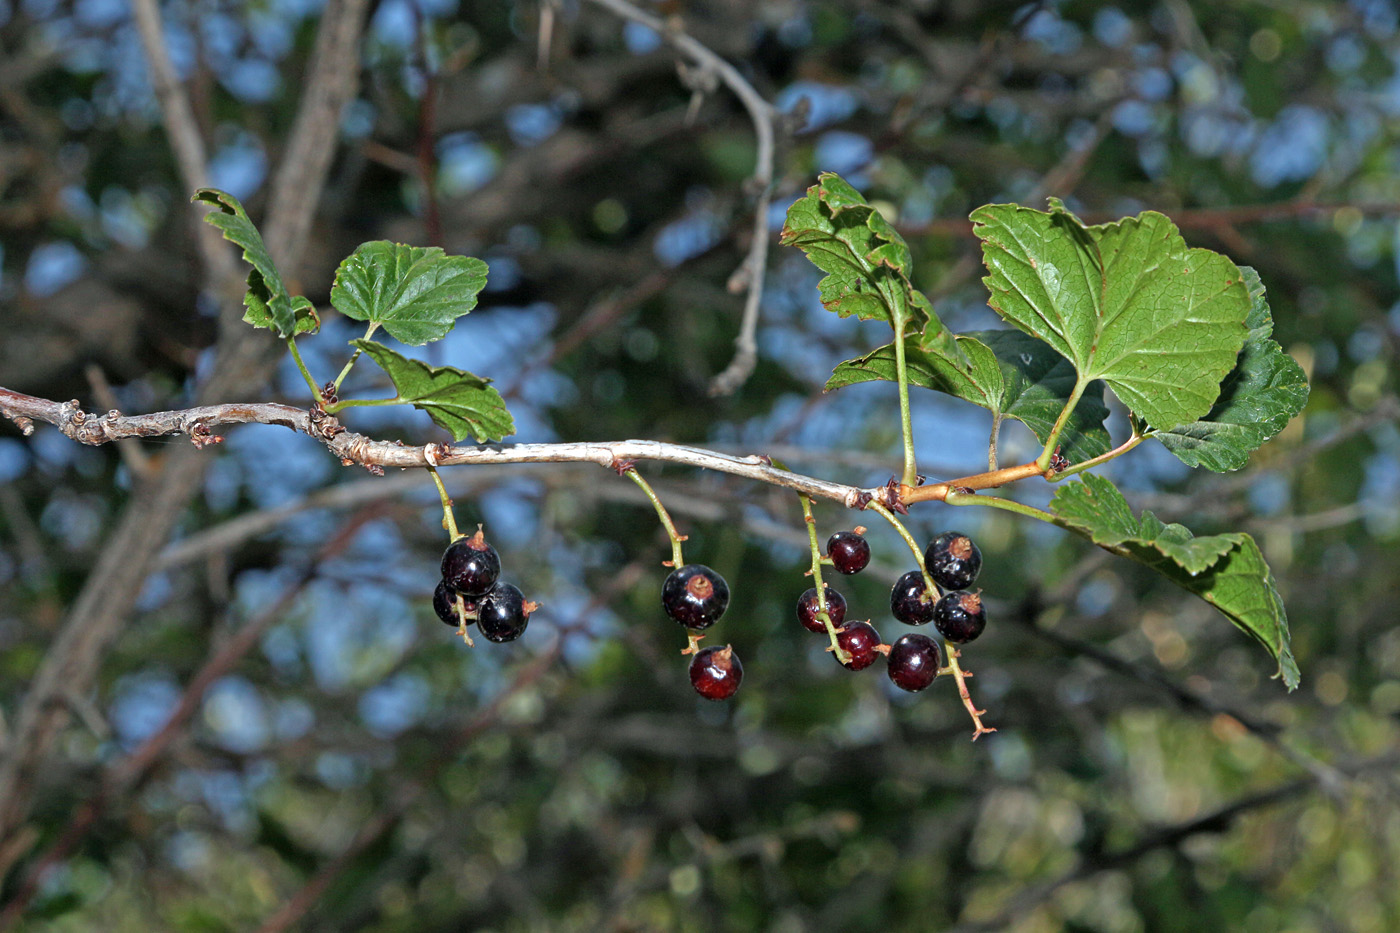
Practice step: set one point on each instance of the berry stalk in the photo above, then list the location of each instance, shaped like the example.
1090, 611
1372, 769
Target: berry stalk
677, 560
961, 677
913, 546
449, 521
842, 654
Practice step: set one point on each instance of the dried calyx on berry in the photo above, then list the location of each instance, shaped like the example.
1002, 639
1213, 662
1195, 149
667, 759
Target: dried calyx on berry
695, 596
470, 565
960, 617
953, 560
716, 673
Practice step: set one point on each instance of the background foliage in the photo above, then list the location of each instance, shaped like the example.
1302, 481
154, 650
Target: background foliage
1147, 774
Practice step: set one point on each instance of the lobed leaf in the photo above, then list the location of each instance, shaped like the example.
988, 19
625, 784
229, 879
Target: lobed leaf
1266, 389
267, 301
415, 293
455, 399
1127, 302
1228, 570
1010, 374
866, 261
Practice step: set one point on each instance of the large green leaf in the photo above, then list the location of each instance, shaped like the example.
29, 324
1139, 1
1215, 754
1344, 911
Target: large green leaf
1266, 389
1125, 302
267, 301
1228, 571
866, 261
416, 293
455, 399
1010, 373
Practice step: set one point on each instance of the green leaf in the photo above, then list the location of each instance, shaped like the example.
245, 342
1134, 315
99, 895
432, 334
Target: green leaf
1125, 302
455, 399
1011, 374
267, 300
1228, 570
415, 293
1266, 389
866, 261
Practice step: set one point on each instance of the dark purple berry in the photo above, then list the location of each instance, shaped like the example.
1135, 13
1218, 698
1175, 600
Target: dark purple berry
470, 565
716, 673
914, 662
910, 600
849, 551
960, 617
808, 607
503, 613
862, 642
445, 605
695, 596
953, 560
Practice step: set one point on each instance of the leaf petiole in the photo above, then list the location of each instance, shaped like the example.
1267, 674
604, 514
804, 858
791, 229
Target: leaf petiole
369, 332
301, 365
1006, 505
911, 470
1052, 441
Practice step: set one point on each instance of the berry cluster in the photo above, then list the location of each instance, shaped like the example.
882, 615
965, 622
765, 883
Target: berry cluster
696, 596
914, 660
471, 591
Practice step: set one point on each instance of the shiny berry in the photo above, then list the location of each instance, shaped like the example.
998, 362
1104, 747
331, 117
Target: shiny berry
695, 596
808, 607
503, 613
716, 673
960, 617
470, 565
914, 662
910, 600
953, 560
862, 642
849, 551
445, 605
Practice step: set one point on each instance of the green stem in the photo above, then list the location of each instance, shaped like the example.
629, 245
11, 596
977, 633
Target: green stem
1051, 442
676, 559
842, 654
913, 545
1118, 451
960, 676
363, 402
301, 365
992, 442
996, 502
373, 325
449, 522
911, 470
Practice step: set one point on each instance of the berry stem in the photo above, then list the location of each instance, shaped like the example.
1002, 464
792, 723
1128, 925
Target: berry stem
676, 559
373, 325
449, 521
1053, 440
301, 365
911, 470
996, 502
462, 620
961, 677
913, 545
842, 654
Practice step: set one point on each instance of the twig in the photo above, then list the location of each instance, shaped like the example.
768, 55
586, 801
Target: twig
353, 448
751, 273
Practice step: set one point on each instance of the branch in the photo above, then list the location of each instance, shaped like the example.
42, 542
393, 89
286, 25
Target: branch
198, 424
750, 274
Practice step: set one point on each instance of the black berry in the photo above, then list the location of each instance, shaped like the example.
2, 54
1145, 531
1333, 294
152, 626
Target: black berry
716, 673
910, 600
503, 613
953, 560
960, 617
808, 607
445, 605
849, 551
914, 662
862, 642
470, 565
695, 596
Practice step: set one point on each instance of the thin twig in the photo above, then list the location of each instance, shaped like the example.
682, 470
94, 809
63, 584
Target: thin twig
751, 273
